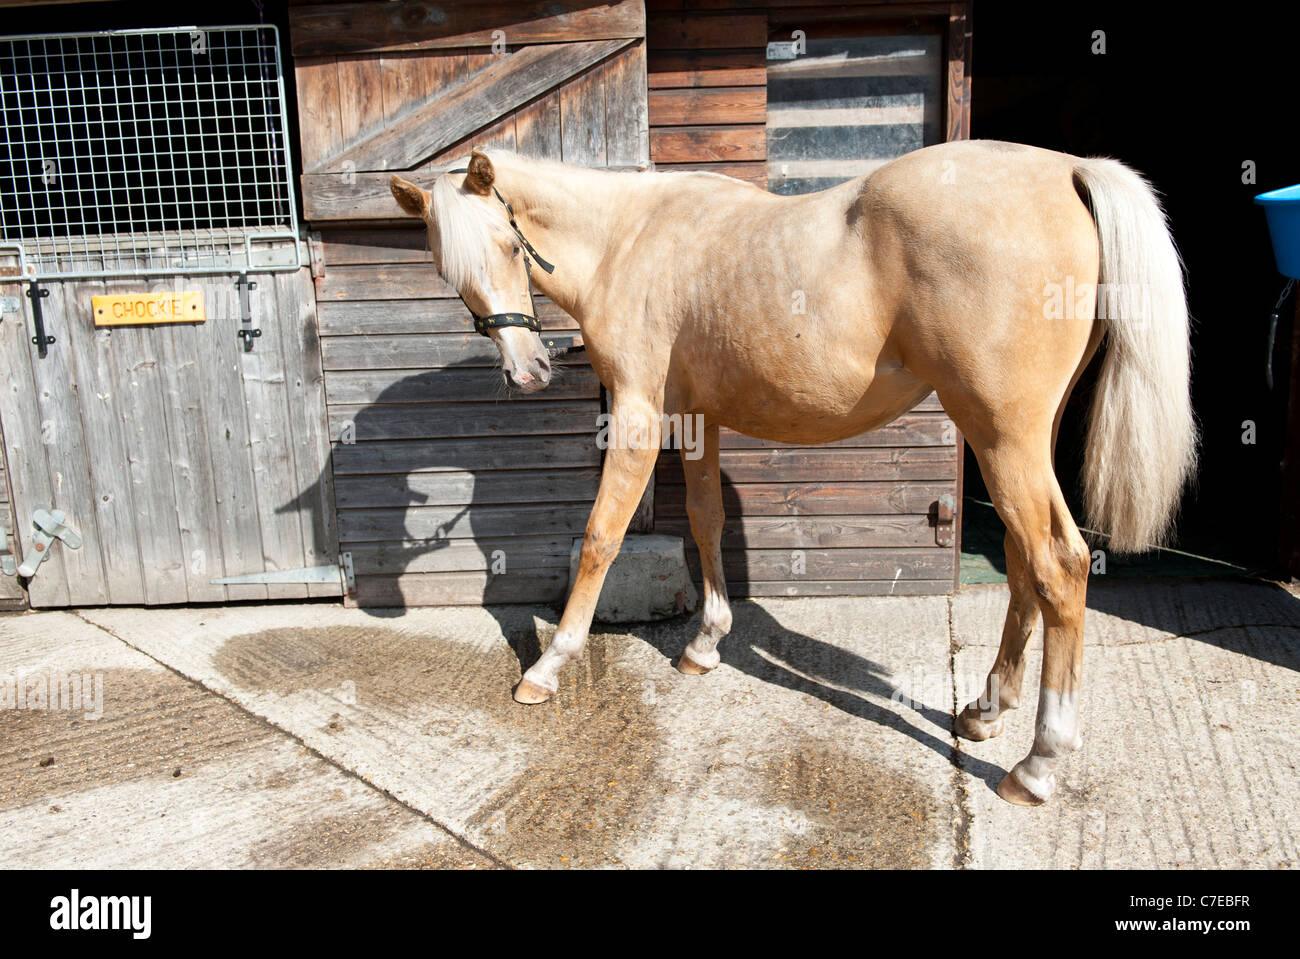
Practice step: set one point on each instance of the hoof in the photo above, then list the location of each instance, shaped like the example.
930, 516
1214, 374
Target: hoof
970, 726
1015, 793
530, 694
690, 667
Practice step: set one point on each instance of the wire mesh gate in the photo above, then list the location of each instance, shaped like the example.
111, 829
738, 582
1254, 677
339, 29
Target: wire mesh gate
146, 152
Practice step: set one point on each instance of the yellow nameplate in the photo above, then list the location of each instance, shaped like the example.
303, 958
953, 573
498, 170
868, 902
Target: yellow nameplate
135, 309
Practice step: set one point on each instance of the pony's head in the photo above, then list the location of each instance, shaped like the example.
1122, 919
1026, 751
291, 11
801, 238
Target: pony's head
483, 259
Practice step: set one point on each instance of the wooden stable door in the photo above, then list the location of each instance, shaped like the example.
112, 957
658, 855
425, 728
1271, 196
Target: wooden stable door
446, 493
177, 456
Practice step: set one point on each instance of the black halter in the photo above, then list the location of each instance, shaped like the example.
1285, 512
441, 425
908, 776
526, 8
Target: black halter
495, 321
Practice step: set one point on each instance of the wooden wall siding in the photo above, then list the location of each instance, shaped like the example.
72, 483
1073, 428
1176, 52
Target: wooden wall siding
440, 473
324, 28
179, 457
571, 87
439, 477
849, 106
857, 511
708, 100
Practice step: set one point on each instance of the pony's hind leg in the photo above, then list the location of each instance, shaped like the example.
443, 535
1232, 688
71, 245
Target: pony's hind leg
1056, 560
704, 507
983, 718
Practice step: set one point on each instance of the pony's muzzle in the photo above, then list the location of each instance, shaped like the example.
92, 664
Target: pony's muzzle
534, 377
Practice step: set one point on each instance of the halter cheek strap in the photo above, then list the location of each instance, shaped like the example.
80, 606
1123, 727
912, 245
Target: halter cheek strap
495, 321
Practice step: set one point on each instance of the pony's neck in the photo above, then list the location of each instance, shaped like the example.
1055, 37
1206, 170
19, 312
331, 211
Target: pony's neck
569, 214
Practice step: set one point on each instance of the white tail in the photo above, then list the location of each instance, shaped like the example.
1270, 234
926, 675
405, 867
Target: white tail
1141, 446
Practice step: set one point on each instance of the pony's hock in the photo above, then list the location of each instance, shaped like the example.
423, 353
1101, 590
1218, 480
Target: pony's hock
648, 580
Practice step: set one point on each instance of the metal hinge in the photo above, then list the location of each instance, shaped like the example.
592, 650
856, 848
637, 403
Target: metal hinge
943, 513
49, 525
340, 572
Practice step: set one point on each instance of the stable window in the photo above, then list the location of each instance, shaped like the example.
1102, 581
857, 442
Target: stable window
146, 152
839, 107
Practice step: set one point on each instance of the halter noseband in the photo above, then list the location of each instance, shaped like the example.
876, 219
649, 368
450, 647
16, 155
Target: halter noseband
495, 321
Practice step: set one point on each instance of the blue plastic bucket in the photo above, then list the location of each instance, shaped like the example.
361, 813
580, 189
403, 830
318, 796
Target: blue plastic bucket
1282, 208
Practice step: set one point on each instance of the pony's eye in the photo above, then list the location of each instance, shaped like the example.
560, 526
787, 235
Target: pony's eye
515, 252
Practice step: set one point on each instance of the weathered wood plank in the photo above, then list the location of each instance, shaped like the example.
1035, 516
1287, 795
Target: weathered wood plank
582, 120
804, 587
537, 128
270, 444
712, 105
225, 417
889, 565
433, 523
841, 499
344, 27
116, 518
394, 282
835, 464
708, 144
445, 420
517, 453
463, 555
366, 387
68, 451
26, 465
354, 247
307, 430
138, 405
458, 488
361, 97
319, 116
356, 196
812, 532
910, 429
190, 453
627, 139
371, 317
745, 68
420, 352
462, 588
696, 32
458, 111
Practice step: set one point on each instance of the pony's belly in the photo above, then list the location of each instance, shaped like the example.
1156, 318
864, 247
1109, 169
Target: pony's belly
792, 417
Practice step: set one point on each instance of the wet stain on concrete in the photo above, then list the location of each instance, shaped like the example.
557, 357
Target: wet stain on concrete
153, 723
594, 749
597, 761
860, 815
347, 840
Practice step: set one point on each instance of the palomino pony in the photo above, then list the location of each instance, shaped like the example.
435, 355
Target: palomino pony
990, 272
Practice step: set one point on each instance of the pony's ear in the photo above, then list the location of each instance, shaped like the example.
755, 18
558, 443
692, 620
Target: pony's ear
409, 196
480, 176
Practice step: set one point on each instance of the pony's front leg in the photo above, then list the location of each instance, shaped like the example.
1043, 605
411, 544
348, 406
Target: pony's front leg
629, 460
705, 509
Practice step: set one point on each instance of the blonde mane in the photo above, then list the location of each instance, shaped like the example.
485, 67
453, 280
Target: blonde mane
464, 229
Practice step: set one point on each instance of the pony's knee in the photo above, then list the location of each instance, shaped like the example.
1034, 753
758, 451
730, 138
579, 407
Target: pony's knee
599, 549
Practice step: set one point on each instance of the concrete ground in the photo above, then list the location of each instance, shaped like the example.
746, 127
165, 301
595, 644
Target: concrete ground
314, 736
